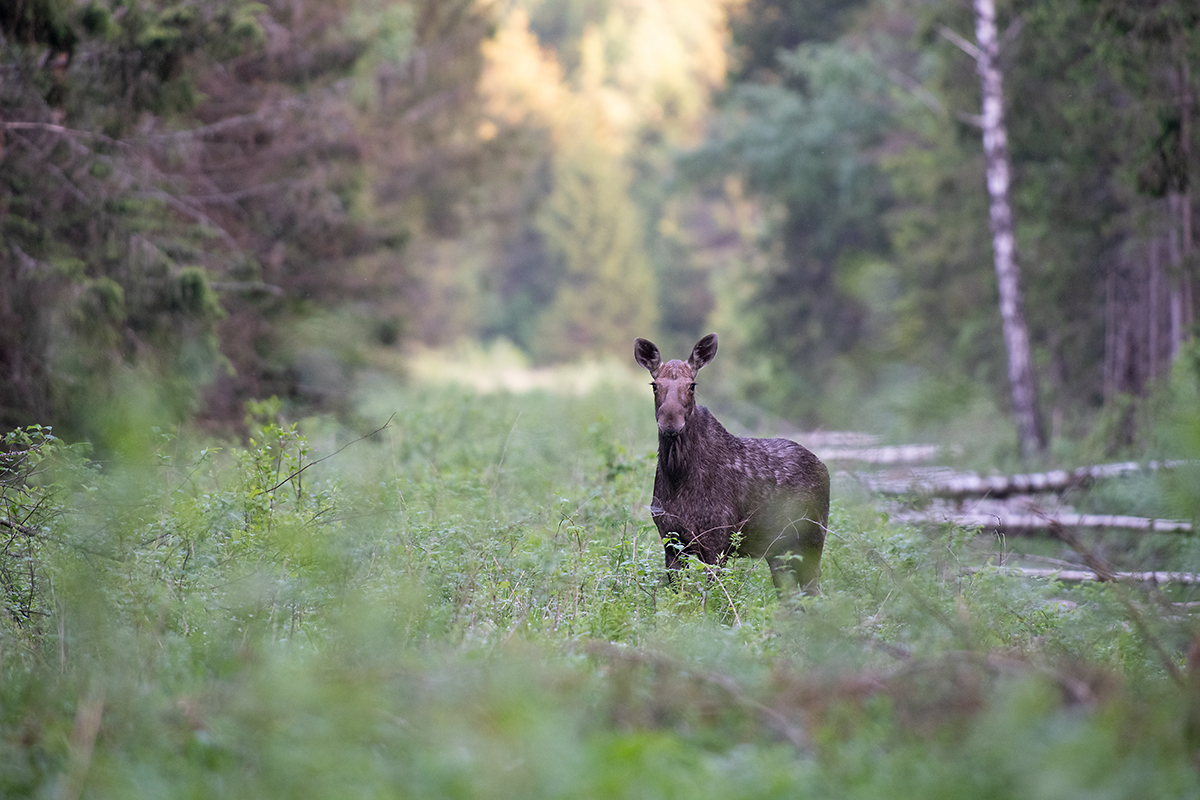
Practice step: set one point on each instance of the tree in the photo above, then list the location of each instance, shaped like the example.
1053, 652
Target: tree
102, 259
183, 183
764, 28
1021, 374
591, 227
1097, 111
1093, 132
599, 94
800, 144
1149, 49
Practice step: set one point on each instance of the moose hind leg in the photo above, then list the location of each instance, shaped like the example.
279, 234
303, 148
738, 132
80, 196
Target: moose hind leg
795, 555
797, 569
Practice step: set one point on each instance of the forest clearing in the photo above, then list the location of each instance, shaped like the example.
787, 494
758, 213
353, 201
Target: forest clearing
469, 601
327, 469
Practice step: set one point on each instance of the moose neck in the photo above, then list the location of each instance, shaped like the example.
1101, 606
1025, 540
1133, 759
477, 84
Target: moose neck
679, 455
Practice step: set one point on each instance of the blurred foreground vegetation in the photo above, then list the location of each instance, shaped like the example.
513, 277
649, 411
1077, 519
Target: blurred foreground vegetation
467, 602
389, 583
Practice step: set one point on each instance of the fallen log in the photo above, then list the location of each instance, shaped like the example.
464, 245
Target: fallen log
887, 454
1040, 522
817, 439
1080, 575
969, 484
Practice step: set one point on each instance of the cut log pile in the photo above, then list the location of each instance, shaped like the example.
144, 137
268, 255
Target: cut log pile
1041, 522
841, 446
1000, 503
1080, 575
944, 483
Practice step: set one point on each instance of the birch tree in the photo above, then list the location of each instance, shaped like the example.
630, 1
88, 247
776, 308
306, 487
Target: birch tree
1022, 378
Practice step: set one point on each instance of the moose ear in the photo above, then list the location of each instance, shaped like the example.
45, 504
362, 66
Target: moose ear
646, 354
703, 352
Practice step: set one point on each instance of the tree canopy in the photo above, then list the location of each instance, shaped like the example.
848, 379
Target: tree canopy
191, 194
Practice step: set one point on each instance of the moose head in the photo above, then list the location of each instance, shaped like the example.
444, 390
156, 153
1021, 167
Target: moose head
674, 382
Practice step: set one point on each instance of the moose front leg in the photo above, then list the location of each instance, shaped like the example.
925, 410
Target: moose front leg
673, 547
711, 546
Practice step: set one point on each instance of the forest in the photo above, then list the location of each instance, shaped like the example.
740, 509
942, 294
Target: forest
326, 466
195, 194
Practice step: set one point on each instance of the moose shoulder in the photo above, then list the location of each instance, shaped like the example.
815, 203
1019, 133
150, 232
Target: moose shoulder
711, 486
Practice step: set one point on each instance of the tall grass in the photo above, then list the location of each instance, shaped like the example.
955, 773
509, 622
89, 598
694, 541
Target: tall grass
469, 603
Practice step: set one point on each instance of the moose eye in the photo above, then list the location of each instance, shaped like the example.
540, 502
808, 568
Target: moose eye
691, 387
654, 386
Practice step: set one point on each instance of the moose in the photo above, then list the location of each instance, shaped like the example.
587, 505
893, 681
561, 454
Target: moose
717, 495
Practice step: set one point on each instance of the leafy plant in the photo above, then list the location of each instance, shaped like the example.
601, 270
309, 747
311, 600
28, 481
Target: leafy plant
470, 600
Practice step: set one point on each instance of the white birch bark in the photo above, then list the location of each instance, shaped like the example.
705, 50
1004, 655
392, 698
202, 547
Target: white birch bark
962, 485
1040, 522
995, 148
1079, 575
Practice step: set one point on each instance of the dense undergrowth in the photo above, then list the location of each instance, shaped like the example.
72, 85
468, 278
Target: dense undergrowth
468, 602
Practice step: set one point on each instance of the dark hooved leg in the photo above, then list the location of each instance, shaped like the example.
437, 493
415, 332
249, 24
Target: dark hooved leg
799, 567
782, 574
797, 570
674, 549
808, 572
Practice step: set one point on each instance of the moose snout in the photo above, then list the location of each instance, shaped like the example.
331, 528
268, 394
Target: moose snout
671, 425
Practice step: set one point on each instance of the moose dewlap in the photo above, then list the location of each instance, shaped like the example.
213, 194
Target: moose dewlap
717, 495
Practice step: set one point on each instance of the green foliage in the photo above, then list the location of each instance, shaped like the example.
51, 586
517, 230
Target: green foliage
469, 602
103, 279
561, 24
30, 500
180, 182
1176, 432
801, 143
762, 28
606, 295
882, 164
939, 230
1094, 142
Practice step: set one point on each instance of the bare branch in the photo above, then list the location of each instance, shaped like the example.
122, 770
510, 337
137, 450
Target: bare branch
887, 454
247, 286
1012, 32
914, 87
436, 103
974, 120
62, 131
1081, 575
231, 198
331, 455
963, 44
24, 530
28, 262
230, 123
55, 170
186, 209
943, 483
1034, 522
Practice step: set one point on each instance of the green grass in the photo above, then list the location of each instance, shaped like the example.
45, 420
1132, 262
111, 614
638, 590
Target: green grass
468, 603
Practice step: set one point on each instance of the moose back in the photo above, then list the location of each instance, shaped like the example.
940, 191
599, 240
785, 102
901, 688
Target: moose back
717, 495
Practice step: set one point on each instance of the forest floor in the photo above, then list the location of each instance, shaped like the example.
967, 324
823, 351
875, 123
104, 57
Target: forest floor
468, 602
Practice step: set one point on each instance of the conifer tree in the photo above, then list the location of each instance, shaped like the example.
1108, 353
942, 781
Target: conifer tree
606, 293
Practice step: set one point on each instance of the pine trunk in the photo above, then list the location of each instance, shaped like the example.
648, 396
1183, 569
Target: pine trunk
995, 148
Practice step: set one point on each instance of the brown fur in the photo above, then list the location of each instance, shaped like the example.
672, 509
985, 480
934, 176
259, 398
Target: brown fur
711, 486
